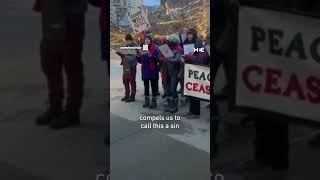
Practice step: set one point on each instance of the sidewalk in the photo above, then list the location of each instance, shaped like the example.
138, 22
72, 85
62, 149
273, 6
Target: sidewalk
138, 154
38, 153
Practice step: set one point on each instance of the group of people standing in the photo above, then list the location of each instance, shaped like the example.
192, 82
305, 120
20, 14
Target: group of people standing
153, 63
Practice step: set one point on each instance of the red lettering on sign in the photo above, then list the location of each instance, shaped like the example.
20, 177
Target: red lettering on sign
269, 81
272, 80
294, 86
246, 75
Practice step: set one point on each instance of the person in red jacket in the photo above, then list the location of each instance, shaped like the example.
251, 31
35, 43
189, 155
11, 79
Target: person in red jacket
61, 49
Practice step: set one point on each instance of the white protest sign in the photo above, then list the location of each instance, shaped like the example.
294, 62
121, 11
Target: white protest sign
188, 49
196, 81
278, 63
138, 19
166, 51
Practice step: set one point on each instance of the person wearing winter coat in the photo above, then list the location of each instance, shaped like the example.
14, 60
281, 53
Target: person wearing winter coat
164, 68
198, 58
63, 25
150, 72
173, 66
129, 63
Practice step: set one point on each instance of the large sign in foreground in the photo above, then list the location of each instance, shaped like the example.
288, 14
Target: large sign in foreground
278, 63
197, 81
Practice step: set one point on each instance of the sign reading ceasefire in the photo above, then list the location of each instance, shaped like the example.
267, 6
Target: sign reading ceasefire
196, 81
278, 63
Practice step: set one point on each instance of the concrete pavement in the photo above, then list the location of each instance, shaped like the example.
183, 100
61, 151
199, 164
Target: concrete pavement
142, 154
38, 153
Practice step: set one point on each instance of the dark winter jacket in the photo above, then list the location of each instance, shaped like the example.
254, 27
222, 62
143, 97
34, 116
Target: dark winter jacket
69, 7
200, 58
149, 63
54, 16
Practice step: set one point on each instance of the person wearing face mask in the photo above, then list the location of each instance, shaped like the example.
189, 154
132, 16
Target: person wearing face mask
173, 65
150, 72
199, 58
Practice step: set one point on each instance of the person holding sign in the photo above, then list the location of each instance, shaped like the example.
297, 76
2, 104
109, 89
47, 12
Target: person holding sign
129, 63
199, 58
173, 64
150, 72
164, 68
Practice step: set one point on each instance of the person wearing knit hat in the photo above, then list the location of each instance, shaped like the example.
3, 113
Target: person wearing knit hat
150, 72
174, 38
193, 38
200, 58
129, 64
173, 65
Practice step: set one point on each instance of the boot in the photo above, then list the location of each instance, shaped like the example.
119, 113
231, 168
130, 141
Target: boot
164, 96
146, 102
153, 103
174, 107
166, 104
125, 98
170, 105
50, 114
131, 99
69, 118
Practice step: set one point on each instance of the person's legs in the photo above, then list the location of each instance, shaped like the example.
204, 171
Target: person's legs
73, 66
126, 82
154, 88
133, 82
133, 85
164, 77
173, 94
272, 141
73, 61
194, 109
51, 64
146, 93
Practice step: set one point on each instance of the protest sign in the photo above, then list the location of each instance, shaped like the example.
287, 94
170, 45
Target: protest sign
138, 19
196, 81
166, 51
278, 63
127, 51
188, 49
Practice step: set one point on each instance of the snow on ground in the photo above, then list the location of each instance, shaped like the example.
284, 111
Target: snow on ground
193, 132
